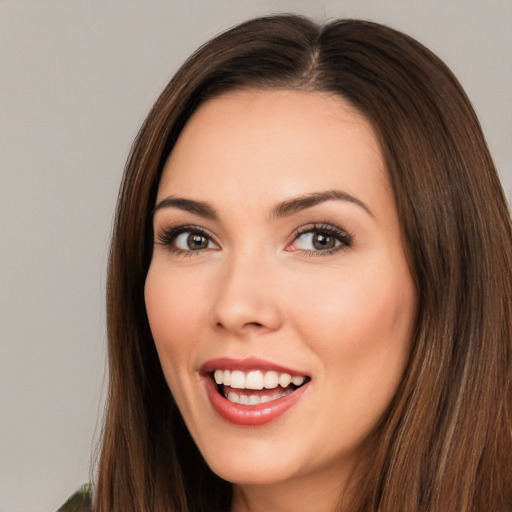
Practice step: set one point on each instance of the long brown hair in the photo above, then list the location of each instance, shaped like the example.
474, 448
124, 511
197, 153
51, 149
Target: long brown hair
445, 443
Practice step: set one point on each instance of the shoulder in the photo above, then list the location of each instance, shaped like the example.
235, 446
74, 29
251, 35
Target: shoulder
79, 502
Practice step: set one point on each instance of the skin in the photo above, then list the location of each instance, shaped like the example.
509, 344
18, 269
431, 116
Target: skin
344, 317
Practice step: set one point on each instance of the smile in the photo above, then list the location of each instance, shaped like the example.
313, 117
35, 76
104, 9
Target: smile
244, 387
244, 395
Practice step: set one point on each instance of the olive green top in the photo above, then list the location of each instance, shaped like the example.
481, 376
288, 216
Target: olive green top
79, 502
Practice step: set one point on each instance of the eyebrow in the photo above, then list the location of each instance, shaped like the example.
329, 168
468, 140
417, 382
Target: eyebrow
189, 205
284, 209
305, 201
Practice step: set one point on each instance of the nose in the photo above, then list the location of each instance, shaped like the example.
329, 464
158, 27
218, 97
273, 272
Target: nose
246, 299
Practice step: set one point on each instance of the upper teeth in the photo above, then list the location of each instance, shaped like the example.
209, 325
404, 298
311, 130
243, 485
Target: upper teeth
256, 379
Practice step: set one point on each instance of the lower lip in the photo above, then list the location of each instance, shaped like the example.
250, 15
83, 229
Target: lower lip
251, 415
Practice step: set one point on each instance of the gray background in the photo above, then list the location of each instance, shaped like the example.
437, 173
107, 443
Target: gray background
76, 80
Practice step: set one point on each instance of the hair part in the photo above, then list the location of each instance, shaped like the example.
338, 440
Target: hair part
445, 442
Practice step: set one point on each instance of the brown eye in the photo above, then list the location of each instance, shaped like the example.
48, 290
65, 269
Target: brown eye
322, 242
196, 241
317, 241
183, 239
324, 239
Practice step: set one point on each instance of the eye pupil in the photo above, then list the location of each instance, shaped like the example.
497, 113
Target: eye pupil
321, 241
195, 241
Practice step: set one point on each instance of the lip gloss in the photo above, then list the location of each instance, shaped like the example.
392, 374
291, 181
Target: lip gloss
250, 415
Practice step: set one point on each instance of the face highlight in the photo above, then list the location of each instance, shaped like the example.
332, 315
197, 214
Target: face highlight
279, 295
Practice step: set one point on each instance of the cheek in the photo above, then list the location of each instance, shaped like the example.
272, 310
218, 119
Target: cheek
361, 321
174, 308
360, 327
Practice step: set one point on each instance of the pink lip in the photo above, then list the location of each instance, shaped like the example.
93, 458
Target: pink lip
244, 365
248, 415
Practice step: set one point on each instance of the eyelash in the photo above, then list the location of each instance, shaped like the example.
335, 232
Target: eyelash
169, 235
344, 237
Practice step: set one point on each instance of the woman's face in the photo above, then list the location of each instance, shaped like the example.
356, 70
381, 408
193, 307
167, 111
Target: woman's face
278, 254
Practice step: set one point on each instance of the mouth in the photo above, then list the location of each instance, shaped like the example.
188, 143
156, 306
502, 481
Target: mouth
252, 392
256, 386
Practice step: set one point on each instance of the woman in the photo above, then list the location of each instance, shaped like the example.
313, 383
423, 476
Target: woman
309, 294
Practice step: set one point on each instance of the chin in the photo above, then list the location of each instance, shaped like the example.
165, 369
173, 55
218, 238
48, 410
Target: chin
246, 474
250, 465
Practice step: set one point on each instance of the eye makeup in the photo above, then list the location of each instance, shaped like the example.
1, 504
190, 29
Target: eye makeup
196, 241
314, 239
323, 238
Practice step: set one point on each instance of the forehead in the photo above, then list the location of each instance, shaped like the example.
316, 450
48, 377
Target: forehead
271, 143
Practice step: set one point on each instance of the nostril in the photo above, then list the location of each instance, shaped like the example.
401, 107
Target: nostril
248, 324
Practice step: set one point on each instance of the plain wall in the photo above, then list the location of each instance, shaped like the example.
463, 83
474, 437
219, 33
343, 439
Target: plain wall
76, 80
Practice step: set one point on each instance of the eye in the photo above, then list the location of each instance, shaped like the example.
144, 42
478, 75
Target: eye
320, 239
191, 241
186, 239
316, 241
